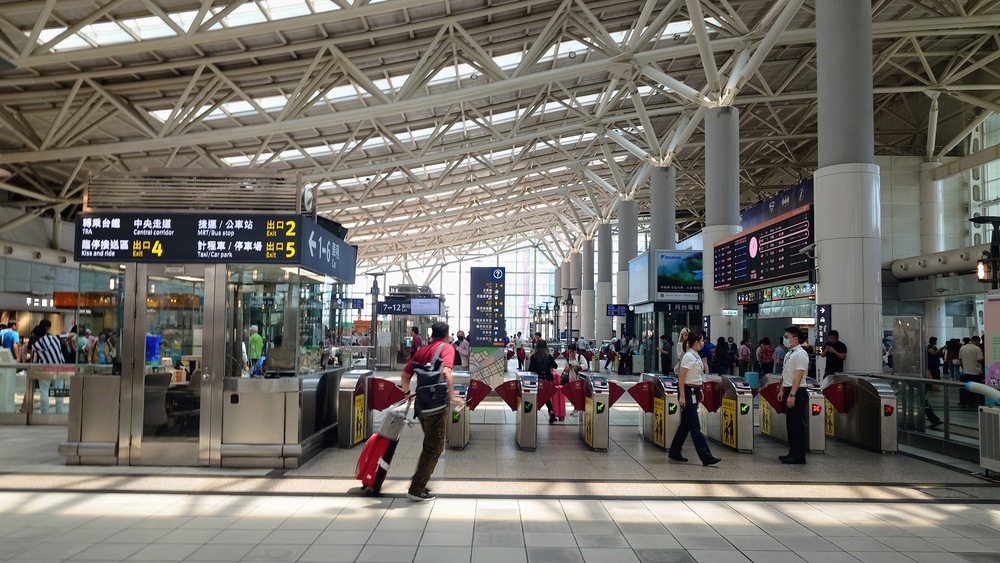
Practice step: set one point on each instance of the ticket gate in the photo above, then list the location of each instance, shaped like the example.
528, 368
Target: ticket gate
861, 410
598, 396
524, 395
359, 395
728, 414
457, 433
656, 394
772, 413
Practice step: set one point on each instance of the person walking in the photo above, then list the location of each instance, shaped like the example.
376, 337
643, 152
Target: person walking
795, 396
765, 356
541, 364
416, 343
464, 349
519, 352
689, 381
46, 349
744, 356
255, 346
433, 426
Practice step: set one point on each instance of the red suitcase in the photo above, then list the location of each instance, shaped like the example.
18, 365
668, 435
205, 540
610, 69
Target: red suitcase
559, 404
373, 465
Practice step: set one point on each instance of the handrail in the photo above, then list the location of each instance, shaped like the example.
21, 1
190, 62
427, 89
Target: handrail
923, 380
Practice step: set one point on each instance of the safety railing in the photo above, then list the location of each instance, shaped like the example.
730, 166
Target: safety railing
937, 415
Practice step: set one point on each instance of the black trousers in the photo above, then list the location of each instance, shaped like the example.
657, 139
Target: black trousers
969, 399
691, 424
796, 419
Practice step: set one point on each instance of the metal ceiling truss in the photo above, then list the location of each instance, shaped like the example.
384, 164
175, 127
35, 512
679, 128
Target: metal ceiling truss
436, 129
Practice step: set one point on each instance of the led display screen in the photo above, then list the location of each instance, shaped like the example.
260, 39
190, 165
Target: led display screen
768, 252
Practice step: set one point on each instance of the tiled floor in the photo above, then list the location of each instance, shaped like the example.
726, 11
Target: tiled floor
561, 502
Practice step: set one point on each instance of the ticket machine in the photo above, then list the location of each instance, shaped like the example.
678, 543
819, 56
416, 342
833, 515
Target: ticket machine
772, 413
457, 433
728, 414
527, 411
861, 410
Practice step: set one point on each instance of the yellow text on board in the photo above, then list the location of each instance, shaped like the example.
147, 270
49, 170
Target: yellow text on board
765, 418
659, 428
729, 422
588, 421
359, 418
829, 420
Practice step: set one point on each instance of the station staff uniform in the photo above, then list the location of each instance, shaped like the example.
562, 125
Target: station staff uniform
795, 360
694, 378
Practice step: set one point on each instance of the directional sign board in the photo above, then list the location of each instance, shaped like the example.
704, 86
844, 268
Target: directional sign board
487, 298
824, 314
215, 238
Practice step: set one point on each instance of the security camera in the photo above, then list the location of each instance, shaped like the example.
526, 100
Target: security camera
809, 250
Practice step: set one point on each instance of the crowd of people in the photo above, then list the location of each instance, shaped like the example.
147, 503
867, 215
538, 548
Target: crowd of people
78, 346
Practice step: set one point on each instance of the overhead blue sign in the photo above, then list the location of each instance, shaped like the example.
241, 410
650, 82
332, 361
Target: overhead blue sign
325, 253
617, 310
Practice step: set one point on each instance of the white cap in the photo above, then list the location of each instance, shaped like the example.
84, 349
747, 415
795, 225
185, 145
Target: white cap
253, 328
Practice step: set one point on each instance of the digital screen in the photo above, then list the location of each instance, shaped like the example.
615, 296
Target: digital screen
769, 252
425, 306
617, 310
357, 304
678, 275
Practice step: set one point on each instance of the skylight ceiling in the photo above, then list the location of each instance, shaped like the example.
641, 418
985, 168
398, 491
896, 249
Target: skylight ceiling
435, 127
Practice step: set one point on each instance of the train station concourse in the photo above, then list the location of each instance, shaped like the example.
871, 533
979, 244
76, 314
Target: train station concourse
228, 226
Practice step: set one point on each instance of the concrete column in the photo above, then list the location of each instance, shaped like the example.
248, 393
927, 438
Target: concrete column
663, 209
722, 211
932, 239
848, 222
567, 280
576, 280
603, 323
587, 297
628, 248
556, 291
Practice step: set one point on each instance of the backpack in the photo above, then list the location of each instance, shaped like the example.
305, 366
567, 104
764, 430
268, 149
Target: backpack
432, 389
618, 345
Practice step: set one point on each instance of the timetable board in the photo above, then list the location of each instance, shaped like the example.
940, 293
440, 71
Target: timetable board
768, 252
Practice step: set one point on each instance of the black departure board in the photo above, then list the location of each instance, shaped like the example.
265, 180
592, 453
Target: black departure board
770, 251
213, 238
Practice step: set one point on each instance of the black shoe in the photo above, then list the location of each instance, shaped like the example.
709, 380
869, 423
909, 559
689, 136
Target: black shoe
712, 461
552, 419
422, 497
935, 424
794, 461
677, 457
784, 457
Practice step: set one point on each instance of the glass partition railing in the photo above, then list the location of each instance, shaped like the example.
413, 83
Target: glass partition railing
937, 411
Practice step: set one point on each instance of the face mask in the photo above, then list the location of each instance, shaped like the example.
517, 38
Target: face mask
786, 342
461, 338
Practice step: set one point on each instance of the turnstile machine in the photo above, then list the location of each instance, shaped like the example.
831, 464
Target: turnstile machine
354, 418
527, 411
659, 423
861, 410
727, 416
457, 432
772, 415
595, 424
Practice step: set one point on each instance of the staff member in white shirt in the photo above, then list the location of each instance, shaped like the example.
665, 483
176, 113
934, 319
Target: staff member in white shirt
689, 382
793, 393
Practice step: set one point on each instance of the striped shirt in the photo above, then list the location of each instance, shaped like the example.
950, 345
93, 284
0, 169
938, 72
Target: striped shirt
47, 350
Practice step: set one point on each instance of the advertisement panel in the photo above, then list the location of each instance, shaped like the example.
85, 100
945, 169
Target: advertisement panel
678, 275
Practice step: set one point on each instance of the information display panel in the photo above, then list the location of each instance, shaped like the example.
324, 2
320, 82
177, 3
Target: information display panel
770, 251
247, 238
486, 306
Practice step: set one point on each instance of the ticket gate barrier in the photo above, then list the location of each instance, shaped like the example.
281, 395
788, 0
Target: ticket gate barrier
861, 410
656, 394
457, 432
772, 413
524, 395
360, 394
728, 414
594, 395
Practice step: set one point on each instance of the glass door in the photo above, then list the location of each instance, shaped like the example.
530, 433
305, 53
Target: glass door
168, 375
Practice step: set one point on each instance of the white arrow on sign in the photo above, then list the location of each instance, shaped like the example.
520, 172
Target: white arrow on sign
822, 309
312, 243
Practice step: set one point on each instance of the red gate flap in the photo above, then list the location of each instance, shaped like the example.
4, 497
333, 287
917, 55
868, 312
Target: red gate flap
642, 392
772, 394
384, 393
838, 395
615, 391
546, 390
478, 390
712, 395
574, 392
508, 391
